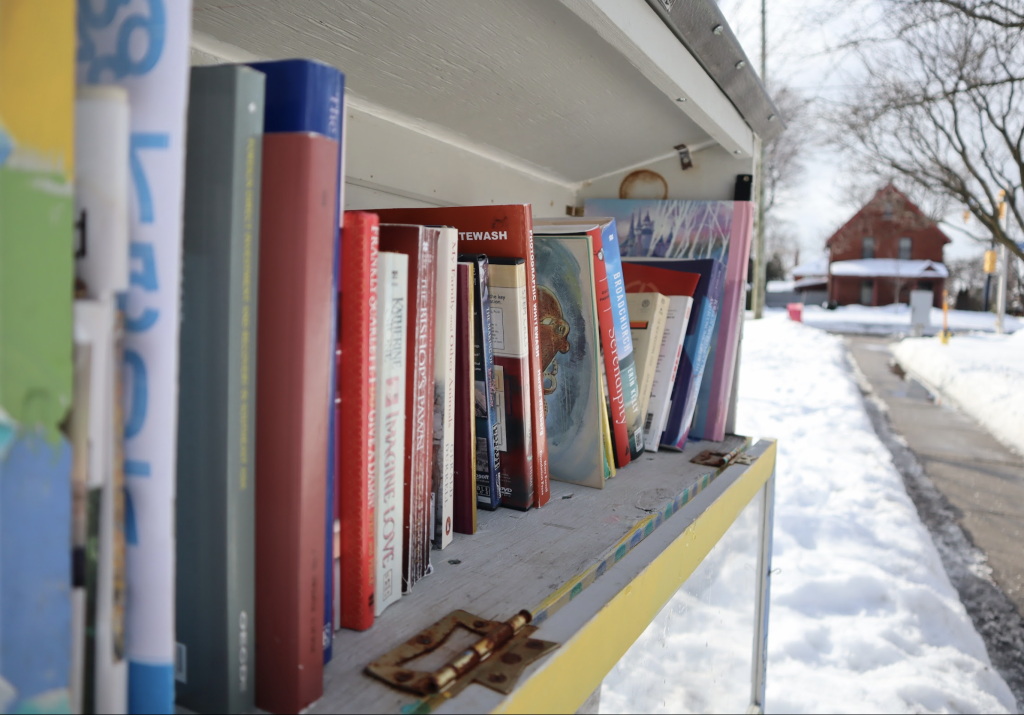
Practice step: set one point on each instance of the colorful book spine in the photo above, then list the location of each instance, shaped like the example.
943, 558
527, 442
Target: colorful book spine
156, 76
488, 460
101, 266
569, 350
216, 514
501, 231
37, 98
359, 350
506, 284
308, 96
293, 382
647, 314
443, 485
419, 243
392, 311
666, 368
464, 509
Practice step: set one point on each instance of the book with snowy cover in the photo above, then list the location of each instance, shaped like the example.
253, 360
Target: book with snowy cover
392, 309
569, 341
694, 230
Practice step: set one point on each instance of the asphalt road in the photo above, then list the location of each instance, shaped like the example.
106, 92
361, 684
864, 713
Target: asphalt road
969, 490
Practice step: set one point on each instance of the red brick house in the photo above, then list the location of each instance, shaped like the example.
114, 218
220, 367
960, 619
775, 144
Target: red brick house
886, 250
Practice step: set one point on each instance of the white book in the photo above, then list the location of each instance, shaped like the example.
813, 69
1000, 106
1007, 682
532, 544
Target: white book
443, 471
392, 316
679, 307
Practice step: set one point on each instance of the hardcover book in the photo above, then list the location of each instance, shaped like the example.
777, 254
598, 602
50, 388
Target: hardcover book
501, 232
647, 314
442, 482
358, 338
36, 372
216, 514
100, 676
308, 96
488, 460
293, 378
392, 310
699, 331
157, 82
666, 368
419, 243
506, 283
568, 342
464, 508
622, 396
695, 229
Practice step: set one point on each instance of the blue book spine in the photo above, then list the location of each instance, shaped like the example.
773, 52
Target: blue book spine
488, 493
716, 289
306, 96
696, 349
35, 572
623, 339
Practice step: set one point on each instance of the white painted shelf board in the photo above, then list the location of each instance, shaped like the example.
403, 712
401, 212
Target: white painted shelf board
557, 86
515, 561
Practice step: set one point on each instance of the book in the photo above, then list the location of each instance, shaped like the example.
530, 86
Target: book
662, 274
359, 349
568, 342
216, 514
647, 314
157, 83
506, 284
488, 460
36, 349
464, 506
392, 310
307, 96
622, 394
419, 243
442, 480
695, 229
500, 231
293, 383
102, 121
665, 369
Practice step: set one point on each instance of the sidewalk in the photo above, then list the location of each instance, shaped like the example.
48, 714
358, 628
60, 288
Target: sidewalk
983, 483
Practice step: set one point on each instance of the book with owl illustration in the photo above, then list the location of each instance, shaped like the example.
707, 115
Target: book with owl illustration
569, 351
681, 229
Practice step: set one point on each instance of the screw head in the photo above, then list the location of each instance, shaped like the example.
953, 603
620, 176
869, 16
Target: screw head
403, 676
737, 151
680, 99
718, 29
741, 64
771, 117
497, 677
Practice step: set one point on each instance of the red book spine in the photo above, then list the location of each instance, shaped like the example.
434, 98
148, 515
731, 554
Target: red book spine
420, 244
358, 379
506, 232
464, 508
293, 390
606, 326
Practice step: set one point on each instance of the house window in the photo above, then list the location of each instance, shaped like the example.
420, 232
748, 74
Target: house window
905, 244
868, 247
867, 292
924, 285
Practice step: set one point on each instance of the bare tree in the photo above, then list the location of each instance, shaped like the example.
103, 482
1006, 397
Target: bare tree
941, 106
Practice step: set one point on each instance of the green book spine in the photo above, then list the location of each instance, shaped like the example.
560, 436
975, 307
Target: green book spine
216, 502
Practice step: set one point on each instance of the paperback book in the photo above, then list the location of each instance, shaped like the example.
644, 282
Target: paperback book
647, 315
464, 510
442, 483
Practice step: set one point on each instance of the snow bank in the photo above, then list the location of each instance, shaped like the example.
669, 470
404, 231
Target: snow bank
982, 374
888, 319
863, 617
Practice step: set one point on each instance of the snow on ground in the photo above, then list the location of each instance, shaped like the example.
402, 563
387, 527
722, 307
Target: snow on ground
863, 617
886, 319
982, 374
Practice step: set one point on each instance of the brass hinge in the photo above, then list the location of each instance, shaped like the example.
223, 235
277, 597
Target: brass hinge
497, 660
721, 460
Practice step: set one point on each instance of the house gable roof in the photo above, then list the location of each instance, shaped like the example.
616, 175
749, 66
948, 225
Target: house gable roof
876, 205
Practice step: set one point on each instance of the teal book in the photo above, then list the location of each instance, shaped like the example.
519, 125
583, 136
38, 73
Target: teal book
569, 340
216, 524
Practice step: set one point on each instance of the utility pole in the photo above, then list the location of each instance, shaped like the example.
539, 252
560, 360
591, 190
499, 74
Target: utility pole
1004, 265
760, 267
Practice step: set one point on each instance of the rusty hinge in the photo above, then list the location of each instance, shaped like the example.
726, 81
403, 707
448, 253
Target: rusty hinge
496, 660
721, 460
